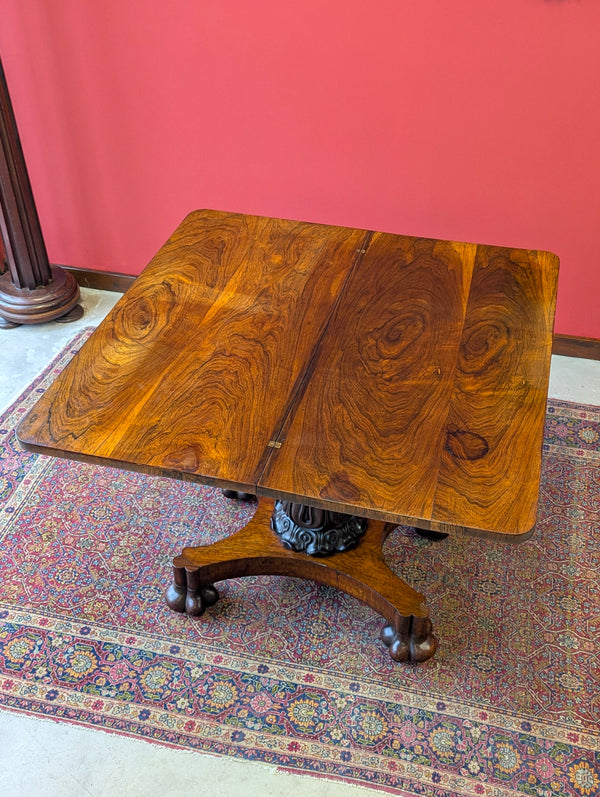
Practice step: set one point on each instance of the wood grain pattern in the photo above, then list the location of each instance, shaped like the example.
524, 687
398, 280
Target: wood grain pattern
428, 404
360, 572
368, 432
390, 377
190, 374
565, 345
490, 465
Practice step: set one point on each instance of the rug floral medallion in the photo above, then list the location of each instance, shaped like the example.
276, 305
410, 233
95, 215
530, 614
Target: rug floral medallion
292, 673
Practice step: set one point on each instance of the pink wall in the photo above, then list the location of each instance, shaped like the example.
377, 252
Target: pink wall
473, 120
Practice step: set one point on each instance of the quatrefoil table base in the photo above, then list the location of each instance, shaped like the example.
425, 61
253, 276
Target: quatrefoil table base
360, 571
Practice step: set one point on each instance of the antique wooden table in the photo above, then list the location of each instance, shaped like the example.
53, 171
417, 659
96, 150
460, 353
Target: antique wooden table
346, 374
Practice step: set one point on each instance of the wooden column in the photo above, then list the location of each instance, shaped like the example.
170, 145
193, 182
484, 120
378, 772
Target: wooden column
31, 291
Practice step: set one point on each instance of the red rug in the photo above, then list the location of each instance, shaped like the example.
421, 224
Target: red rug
291, 673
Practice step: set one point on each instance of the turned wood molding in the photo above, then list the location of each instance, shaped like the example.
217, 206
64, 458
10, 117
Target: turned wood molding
31, 291
567, 345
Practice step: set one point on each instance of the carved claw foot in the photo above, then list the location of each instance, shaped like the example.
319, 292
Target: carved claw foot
413, 639
239, 496
187, 595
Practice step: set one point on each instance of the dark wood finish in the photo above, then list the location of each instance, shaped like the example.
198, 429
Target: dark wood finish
32, 291
572, 346
21, 232
410, 639
101, 280
361, 572
56, 301
369, 374
316, 532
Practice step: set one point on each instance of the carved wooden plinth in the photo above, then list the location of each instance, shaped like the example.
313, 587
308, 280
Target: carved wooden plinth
31, 291
361, 572
316, 532
56, 301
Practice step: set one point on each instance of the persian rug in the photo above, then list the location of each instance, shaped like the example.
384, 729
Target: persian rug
291, 673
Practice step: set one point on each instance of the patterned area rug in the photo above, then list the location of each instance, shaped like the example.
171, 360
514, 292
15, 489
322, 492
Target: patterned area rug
291, 673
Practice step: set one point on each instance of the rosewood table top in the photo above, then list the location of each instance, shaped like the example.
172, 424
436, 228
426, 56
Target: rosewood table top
395, 378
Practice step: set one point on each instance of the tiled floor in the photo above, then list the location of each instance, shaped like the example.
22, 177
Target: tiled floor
61, 760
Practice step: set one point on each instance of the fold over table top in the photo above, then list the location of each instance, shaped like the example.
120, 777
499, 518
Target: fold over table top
381, 375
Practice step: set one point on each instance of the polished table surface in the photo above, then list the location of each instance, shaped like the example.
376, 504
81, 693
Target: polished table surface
390, 377
348, 374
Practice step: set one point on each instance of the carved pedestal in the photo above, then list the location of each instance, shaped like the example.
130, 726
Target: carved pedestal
357, 567
316, 532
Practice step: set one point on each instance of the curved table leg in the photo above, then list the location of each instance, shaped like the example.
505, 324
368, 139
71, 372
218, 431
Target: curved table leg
361, 572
